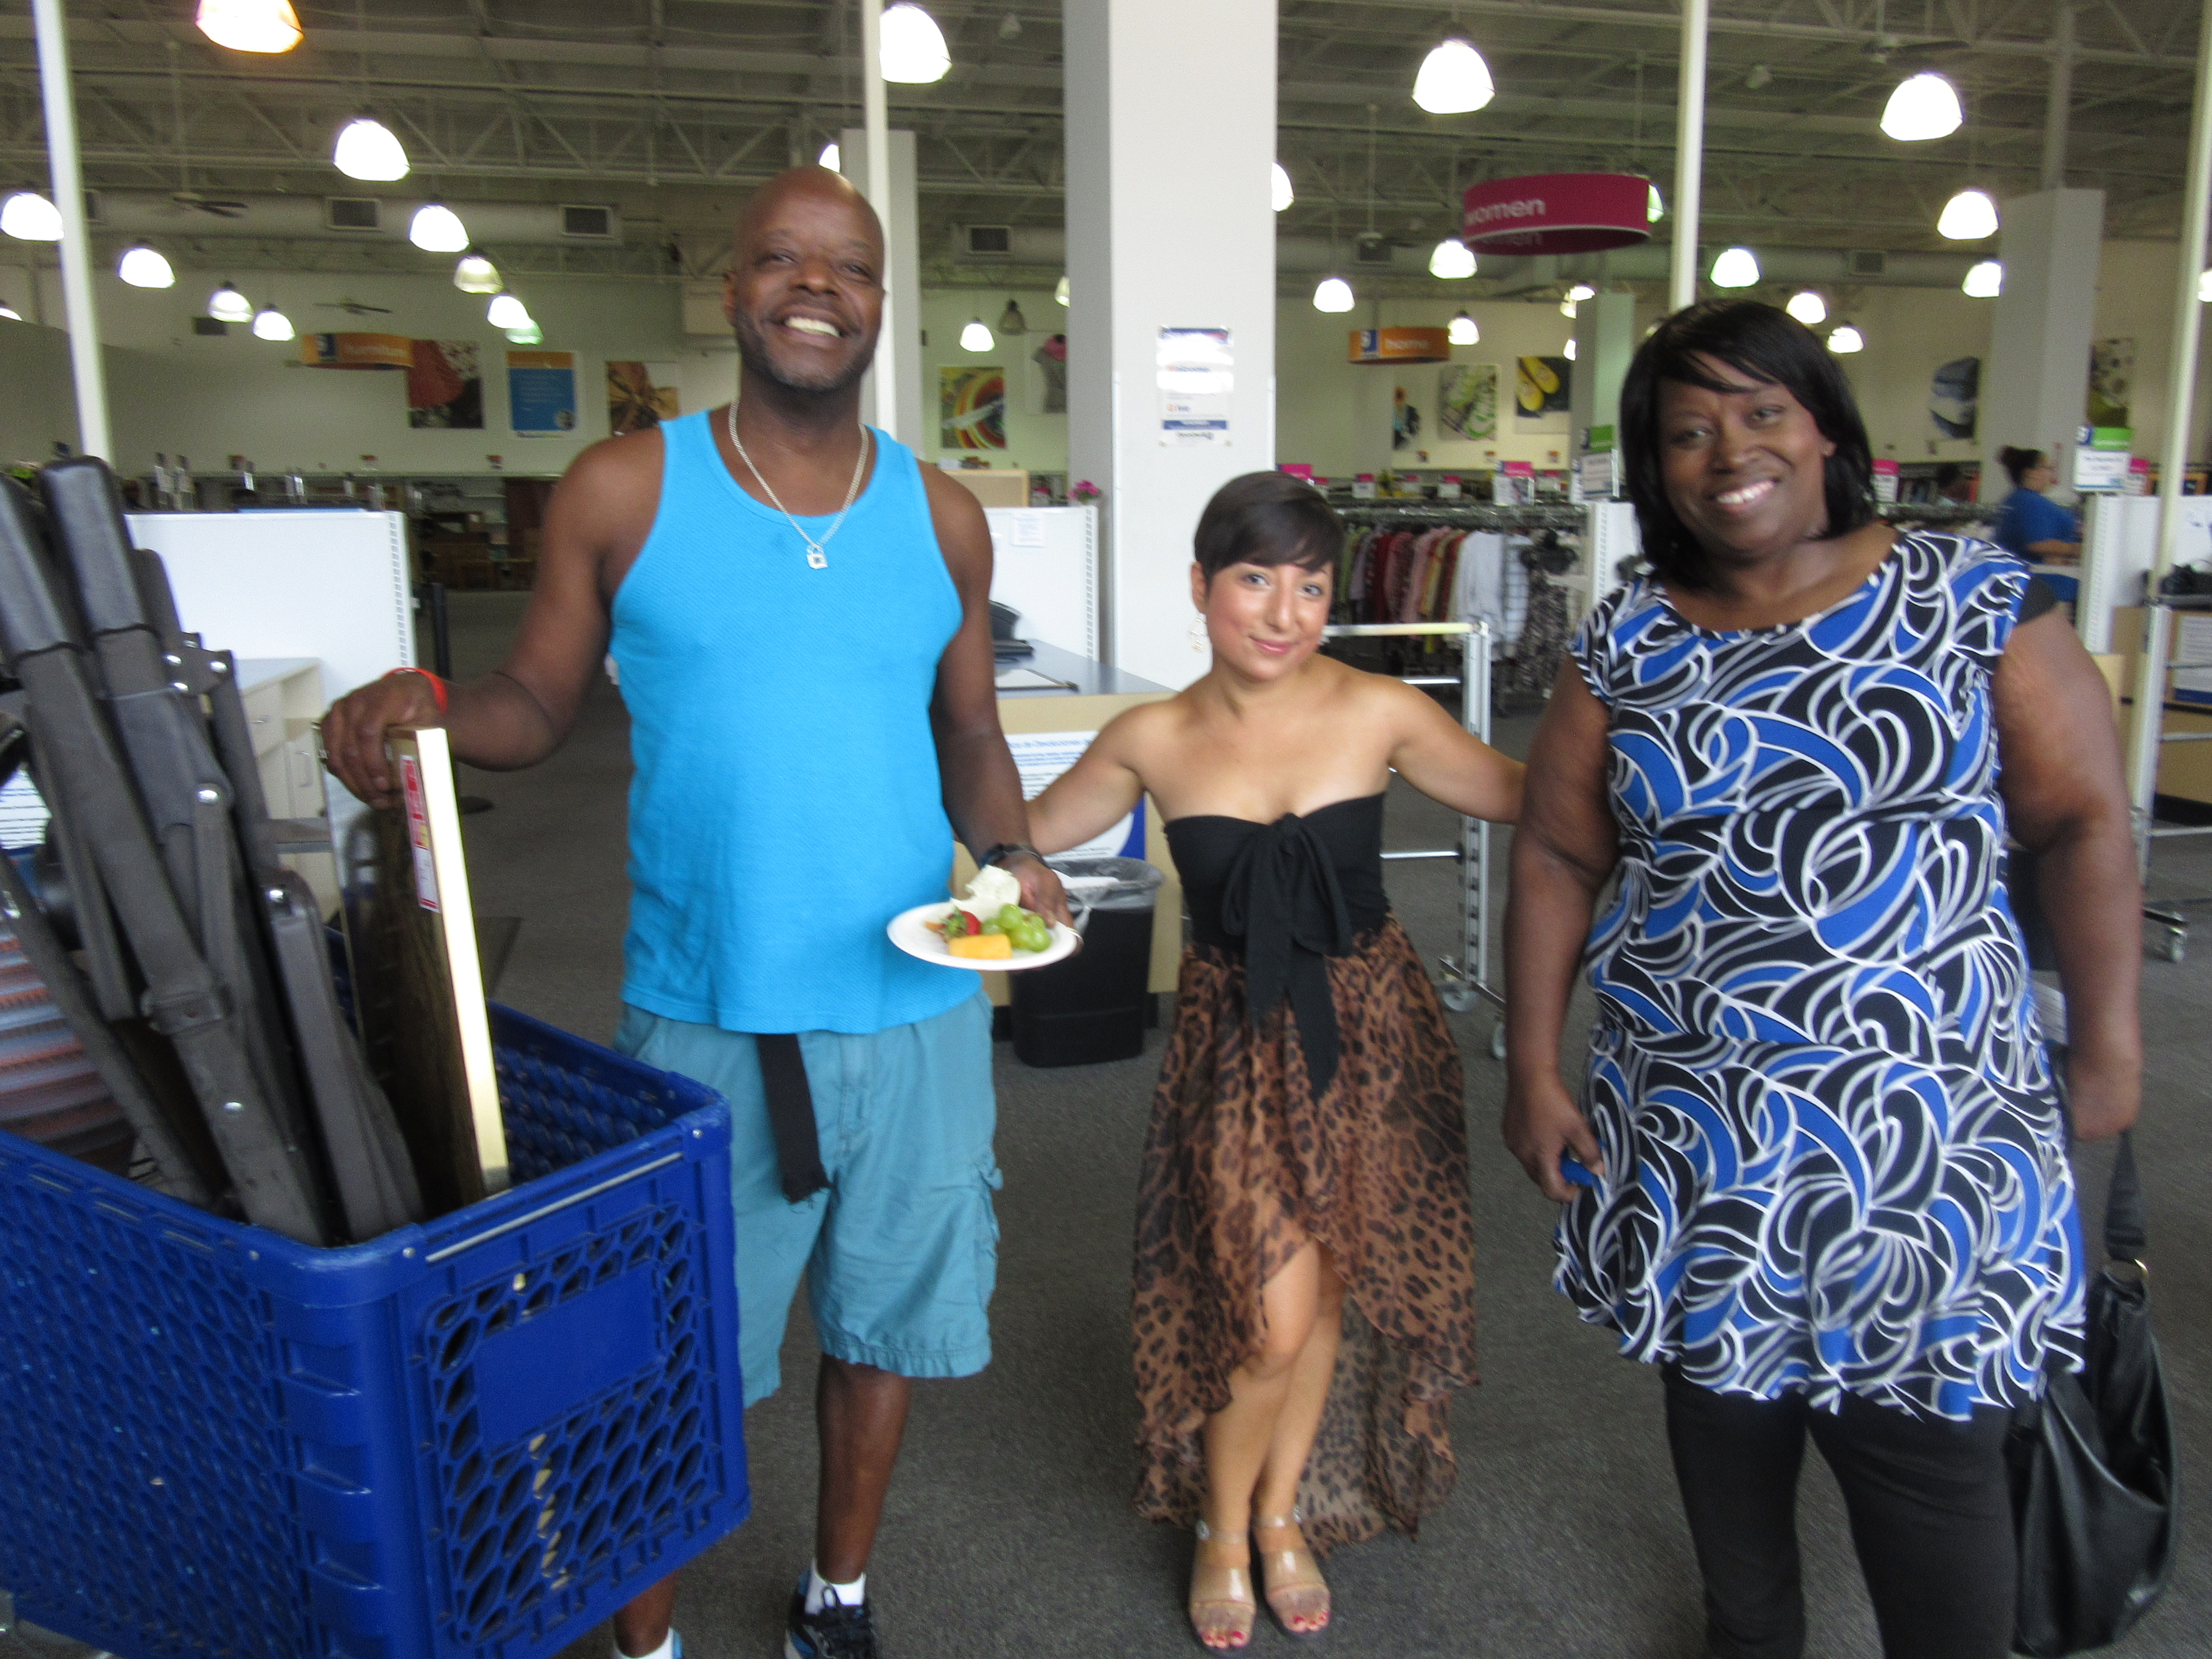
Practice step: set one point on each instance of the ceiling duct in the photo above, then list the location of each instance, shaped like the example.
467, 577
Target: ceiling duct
992, 242
153, 214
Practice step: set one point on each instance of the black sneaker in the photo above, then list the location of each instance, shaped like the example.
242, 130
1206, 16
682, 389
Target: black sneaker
836, 1632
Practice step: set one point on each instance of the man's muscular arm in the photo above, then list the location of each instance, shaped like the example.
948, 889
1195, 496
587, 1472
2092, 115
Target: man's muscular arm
523, 710
983, 787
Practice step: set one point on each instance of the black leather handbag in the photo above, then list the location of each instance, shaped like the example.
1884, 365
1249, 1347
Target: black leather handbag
2095, 1483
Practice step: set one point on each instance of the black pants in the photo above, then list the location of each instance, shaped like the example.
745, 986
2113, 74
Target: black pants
1930, 1514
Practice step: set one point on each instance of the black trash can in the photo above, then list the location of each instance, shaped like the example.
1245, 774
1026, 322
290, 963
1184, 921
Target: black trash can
1093, 1007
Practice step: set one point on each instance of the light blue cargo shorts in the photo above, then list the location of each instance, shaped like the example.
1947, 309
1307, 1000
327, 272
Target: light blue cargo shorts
900, 1253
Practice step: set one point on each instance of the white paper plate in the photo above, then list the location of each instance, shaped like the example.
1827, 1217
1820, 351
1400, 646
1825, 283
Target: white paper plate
910, 931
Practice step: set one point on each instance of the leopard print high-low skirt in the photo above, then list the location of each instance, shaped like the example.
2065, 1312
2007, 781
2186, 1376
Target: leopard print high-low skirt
1242, 1165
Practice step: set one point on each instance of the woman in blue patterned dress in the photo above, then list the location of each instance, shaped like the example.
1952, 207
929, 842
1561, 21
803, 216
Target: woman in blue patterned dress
1818, 1174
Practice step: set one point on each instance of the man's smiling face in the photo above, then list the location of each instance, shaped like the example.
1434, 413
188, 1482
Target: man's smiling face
804, 293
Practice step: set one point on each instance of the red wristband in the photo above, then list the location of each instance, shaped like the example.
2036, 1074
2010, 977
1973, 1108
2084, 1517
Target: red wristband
438, 688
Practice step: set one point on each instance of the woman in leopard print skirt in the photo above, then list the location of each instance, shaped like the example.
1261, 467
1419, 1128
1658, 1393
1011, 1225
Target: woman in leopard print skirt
1305, 1303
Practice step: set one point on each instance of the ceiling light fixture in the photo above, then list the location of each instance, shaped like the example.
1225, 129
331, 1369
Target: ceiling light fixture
1808, 308
144, 267
1760, 75
228, 305
366, 149
505, 311
914, 50
1924, 106
436, 228
1569, 306
476, 275
528, 334
1011, 320
1985, 280
1279, 189
271, 324
1582, 291
2204, 288
10, 312
250, 25
1968, 217
1059, 288
831, 157
30, 218
1332, 294
1462, 330
1845, 339
1452, 260
1454, 80
976, 337
1735, 267
1655, 209
1569, 353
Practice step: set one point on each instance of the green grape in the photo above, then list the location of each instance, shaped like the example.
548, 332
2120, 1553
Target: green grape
1010, 916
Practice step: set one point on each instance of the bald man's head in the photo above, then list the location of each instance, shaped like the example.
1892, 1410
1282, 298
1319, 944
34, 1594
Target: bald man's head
805, 294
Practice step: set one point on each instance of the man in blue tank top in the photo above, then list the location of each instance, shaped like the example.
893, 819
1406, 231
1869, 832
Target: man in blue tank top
785, 806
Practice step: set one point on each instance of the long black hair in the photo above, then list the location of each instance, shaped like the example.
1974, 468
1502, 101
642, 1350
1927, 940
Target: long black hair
1762, 343
1268, 519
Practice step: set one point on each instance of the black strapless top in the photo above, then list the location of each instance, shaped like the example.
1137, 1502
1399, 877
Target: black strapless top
1286, 896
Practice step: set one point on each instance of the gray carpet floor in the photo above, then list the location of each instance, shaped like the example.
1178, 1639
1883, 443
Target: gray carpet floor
1009, 1529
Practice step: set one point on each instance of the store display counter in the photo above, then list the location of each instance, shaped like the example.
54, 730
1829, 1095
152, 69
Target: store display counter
1085, 697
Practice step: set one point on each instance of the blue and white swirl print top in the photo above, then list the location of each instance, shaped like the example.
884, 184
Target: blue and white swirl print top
1834, 1160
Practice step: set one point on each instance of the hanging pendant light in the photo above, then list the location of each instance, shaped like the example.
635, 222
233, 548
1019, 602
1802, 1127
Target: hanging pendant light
1332, 294
914, 52
2204, 289
436, 228
1011, 320
1452, 260
476, 275
1582, 291
976, 337
1655, 210
1985, 280
1462, 330
1808, 308
1059, 289
1569, 307
30, 218
1454, 80
1968, 217
1279, 185
367, 150
144, 267
271, 324
505, 311
250, 25
528, 334
831, 157
1735, 267
1845, 339
228, 305
10, 312
1568, 352
1924, 106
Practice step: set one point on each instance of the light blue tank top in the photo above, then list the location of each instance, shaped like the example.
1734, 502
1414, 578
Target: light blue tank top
787, 801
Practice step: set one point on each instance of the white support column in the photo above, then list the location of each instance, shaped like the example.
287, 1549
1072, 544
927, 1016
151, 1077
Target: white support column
52, 28
2036, 383
1689, 157
1605, 339
1169, 226
892, 399
876, 184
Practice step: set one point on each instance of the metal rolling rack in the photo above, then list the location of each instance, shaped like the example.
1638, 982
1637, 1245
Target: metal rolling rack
1466, 976
2161, 618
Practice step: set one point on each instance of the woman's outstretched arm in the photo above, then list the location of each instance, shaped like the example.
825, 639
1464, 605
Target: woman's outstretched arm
1564, 852
1448, 763
1094, 793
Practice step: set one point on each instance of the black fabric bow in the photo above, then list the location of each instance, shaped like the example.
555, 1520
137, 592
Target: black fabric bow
1281, 898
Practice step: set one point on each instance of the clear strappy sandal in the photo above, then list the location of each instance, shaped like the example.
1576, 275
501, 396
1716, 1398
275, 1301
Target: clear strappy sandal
1221, 1607
1296, 1588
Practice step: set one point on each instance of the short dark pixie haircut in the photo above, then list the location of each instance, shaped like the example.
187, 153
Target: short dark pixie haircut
1762, 343
1270, 519
2016, 462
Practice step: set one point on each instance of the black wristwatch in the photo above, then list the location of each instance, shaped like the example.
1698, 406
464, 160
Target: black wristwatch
1006, 849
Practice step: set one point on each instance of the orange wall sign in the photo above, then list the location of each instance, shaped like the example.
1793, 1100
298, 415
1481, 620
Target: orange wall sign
356, 351
1401, 345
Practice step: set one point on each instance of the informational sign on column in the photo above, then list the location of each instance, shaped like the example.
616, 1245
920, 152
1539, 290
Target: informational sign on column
1041, 756
1195, 369
541, 392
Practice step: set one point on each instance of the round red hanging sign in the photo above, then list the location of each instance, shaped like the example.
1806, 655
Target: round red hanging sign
1557, 213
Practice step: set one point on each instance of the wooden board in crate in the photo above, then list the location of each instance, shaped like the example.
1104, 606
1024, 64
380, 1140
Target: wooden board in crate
418, 983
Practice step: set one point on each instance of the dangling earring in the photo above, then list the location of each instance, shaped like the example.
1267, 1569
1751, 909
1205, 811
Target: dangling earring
1196, 632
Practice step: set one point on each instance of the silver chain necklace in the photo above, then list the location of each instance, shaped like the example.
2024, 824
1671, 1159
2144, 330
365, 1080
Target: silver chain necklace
816, 558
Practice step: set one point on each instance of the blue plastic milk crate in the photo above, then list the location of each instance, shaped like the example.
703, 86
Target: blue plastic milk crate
472, 1439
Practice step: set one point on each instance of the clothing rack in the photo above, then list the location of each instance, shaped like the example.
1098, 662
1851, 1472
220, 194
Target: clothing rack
1467, 975
1468, 515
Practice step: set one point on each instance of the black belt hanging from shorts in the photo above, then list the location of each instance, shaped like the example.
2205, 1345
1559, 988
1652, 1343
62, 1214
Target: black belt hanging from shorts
791, 1114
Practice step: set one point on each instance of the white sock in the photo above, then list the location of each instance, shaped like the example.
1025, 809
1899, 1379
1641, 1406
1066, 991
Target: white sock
665, 1650
848, 1596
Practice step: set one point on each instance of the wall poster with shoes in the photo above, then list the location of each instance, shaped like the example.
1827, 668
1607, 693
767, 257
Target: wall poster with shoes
1466, 402
1542, 389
